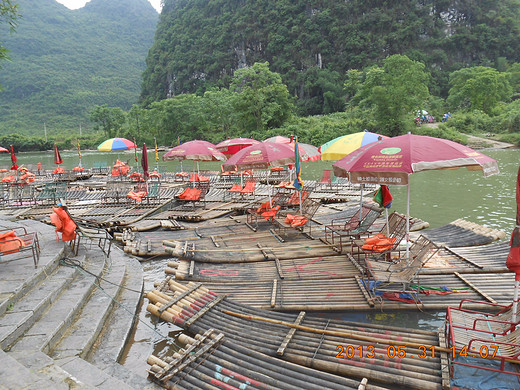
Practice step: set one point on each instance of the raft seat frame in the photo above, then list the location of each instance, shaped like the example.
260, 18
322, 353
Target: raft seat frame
30, 243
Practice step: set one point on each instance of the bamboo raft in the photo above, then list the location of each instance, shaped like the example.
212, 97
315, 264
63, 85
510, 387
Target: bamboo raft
463, 233
487, 259
211, 361
309, 342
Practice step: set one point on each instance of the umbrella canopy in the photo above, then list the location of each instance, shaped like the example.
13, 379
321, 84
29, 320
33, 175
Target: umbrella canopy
144, 162
513, 259
57, 158
113, 144
261, 156
4, 150
391, 160
197, 150
339, 147
14, 167
279, 139
233, 145
307, 152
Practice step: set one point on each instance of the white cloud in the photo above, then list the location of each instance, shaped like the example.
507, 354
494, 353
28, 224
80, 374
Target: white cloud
75, 4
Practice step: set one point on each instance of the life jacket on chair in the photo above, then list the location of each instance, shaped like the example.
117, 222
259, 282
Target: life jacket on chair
64, 224
10, 243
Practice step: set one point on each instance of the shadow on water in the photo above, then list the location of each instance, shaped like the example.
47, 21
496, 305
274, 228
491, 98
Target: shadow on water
430, 321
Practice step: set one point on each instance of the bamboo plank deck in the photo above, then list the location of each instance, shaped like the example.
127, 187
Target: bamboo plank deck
210, 359
320, 267
463, 233
316, 343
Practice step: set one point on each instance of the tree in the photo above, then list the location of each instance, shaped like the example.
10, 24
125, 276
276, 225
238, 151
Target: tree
9, 15
262, 101
393, 91
478, 88
108, 119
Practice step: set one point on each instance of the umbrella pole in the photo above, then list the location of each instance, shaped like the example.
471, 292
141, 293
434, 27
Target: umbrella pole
361, 204
515, 301
387, 227
408, 220
269, 192
300, 191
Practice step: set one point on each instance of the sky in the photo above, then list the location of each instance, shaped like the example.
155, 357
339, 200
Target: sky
75, 4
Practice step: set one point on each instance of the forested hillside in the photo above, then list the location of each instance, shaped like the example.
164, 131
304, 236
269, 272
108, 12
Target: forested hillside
199, 44
65, 62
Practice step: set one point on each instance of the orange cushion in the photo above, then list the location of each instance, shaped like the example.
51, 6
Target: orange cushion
235, 188
271, 213
289, 218
382, 245
264, 207
184, 193
9, 243
374, 239
300, 220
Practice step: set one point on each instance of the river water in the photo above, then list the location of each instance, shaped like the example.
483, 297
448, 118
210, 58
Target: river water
437, 197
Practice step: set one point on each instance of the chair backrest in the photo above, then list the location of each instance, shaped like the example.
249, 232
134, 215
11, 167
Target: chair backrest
309, 207
396, 227
371, 216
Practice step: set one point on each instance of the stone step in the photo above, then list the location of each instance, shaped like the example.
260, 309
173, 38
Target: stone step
83, 332
24, 310
119, 325
20, 276
91, 375
50, 327
45, 368
15, 375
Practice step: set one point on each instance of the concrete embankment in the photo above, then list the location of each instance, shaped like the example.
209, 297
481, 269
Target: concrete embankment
65, 323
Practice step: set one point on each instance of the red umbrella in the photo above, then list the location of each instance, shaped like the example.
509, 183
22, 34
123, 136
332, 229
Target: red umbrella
280, 139
13, 159
144, 162
233, 145
57, 157
261, 155
4, 150
391, 160
194, 150
513, 259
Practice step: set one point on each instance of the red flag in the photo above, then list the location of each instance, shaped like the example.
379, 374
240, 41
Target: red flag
13, 160
57, 157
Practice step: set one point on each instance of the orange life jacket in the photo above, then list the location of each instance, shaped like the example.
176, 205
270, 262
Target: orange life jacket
10, 243
64, 224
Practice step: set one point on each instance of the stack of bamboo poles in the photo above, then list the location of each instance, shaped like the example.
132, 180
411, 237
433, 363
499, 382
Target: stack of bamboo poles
347, 349
209, 361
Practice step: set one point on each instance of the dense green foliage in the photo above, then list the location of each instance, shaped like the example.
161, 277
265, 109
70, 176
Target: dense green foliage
65, 62
9, 15
312, 44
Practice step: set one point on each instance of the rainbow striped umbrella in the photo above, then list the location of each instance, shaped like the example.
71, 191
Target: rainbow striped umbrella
339, 147
115, 144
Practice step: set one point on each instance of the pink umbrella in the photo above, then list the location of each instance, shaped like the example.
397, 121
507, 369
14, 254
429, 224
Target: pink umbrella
4, 150
279, 139
261, 156
194, 150
307, 152
233, 145
391, 160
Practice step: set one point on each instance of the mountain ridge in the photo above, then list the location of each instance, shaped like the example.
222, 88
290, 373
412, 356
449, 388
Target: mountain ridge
64, 62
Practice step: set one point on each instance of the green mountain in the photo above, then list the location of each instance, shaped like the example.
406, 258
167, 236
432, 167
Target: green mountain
64, 62
199, 44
